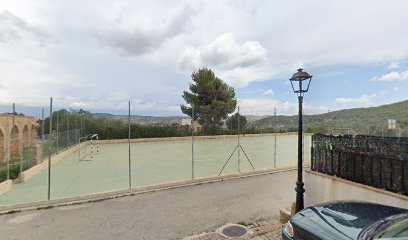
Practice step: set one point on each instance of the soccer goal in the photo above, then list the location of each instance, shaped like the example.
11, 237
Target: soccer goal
88, 147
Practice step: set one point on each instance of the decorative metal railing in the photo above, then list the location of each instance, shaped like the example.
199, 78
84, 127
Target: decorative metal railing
381, 162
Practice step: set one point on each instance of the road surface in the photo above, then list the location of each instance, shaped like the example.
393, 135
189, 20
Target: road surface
165, 214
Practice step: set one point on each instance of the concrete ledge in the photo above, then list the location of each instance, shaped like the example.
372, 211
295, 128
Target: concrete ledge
130, 192
284, 215
29, 173
5, 186
323, 188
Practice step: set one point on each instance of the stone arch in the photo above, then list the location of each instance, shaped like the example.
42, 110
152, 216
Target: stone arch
15, 143
33, 132
26, 136
2, 145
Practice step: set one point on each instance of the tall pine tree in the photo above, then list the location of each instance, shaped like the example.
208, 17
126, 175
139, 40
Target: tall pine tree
211, 97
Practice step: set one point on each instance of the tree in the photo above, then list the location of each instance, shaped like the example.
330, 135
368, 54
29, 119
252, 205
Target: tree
232, 122
212, 99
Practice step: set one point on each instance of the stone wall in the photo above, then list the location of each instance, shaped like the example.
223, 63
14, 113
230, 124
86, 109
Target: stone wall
13, 139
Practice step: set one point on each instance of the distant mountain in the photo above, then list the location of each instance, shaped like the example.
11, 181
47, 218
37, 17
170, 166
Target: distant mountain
358, 120
371, 120
108, 115
146, 120
143, 120
254, 118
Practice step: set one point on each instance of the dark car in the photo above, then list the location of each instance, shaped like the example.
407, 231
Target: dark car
348, 220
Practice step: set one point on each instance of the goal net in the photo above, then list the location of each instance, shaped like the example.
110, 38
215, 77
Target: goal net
88, 147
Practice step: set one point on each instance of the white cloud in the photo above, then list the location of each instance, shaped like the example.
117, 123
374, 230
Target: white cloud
392, 76
14, 29
238, 63
241, 77
243, 41
261, 106
223, 53
364, 100
266, 107
80, 104
120, 104
145, 36
36, 78
268, 93
394, 65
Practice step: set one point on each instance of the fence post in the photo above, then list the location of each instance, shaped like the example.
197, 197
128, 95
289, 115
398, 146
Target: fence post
130, 166
42, 129
9, 150
403, 176
76, 127
68, 131
57, 132
355, 167
381, 171
331, 162
391, 177
371, 170
274, 153
239, 144
338, 164
49, 152
312, 156
192, 141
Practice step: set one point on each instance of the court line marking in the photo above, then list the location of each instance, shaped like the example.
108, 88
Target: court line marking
76, 178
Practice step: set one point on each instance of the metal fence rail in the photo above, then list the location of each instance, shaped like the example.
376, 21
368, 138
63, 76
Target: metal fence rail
370, 160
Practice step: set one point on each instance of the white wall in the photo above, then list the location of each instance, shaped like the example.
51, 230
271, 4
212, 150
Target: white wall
324, 188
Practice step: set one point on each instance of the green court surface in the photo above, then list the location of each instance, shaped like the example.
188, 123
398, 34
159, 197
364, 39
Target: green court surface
153, 163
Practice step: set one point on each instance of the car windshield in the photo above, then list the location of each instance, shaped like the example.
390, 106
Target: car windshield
398, 230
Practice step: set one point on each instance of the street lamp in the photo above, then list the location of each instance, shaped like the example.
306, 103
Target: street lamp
298, 87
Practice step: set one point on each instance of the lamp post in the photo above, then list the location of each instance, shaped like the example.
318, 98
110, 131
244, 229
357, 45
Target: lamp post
299, 88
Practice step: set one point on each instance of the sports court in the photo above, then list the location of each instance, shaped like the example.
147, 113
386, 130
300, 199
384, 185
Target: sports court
153, 162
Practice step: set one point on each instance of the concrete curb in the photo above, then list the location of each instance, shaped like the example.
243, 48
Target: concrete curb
131, 192
5, 186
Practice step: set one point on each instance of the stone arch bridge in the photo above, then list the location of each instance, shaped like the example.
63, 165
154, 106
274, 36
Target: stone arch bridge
14, 138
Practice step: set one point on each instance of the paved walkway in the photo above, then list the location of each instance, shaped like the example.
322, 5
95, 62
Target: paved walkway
166, 214
262, 230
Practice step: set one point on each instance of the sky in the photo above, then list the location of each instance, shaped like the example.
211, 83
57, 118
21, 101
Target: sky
99, 54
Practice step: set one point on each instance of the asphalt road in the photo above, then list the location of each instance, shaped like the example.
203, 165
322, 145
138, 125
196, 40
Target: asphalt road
165, 214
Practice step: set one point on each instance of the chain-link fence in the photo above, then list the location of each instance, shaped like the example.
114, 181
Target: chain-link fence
57, 148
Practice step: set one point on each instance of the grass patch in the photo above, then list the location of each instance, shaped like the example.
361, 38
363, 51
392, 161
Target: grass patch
243, 223
14, 165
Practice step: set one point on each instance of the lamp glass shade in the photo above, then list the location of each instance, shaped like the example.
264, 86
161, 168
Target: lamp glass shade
297, 80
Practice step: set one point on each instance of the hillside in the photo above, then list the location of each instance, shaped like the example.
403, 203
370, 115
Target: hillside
359, 120
143, 120
371, 120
